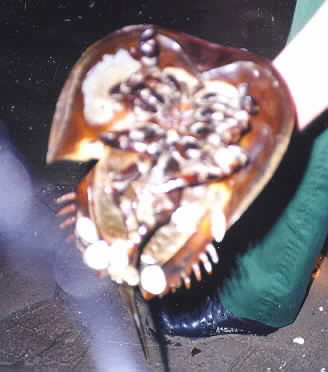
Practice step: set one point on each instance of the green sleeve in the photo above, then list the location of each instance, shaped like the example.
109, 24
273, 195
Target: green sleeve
304, 10
285, 229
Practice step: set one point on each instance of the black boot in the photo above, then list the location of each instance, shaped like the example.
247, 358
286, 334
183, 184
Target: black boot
209, 318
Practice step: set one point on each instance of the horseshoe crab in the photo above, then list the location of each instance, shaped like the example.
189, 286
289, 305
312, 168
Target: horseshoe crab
185, 134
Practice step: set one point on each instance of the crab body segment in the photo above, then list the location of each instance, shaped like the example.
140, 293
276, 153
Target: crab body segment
185, 133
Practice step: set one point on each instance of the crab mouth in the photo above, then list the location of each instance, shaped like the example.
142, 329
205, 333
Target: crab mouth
183, 146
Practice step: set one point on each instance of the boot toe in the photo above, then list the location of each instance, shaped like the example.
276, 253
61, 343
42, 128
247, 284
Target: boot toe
208, 319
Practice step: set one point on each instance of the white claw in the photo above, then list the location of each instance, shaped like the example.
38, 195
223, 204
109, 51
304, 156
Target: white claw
97, 255
206, 262
219, 224
86, 229
119, 259
212, 252
197, 272
153, 279
186, 280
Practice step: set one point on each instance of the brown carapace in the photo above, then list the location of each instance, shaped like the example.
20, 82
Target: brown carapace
186, 134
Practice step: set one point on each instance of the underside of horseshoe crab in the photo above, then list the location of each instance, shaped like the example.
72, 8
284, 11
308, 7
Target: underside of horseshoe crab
185, 134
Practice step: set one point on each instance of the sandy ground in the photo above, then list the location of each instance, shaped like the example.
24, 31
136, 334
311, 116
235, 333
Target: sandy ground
58, 334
